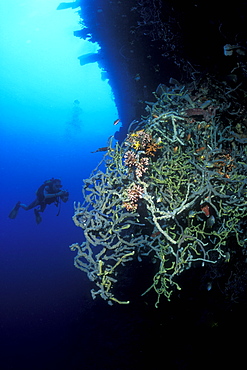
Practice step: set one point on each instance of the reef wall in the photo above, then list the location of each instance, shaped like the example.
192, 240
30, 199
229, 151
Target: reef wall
174, 192
171, 194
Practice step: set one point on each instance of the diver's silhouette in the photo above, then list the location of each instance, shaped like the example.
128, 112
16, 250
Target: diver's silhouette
49, 192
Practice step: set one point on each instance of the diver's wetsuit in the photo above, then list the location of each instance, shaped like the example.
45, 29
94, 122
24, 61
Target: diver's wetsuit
49, 192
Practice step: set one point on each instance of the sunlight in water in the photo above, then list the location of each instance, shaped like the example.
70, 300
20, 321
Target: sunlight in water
41, 76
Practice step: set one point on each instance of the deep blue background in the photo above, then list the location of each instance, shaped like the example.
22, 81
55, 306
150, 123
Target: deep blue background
42, 295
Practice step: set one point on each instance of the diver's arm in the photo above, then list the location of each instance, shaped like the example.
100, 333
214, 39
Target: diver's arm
52, 195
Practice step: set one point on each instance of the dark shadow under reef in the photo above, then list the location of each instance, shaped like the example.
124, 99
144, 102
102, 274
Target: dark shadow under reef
144, 43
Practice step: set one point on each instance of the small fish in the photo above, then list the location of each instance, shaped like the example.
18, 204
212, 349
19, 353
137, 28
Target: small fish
116, 121
155, 234
104, 149
200, 149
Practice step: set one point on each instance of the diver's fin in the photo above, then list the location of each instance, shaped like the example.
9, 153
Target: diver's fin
37, 217
14, 211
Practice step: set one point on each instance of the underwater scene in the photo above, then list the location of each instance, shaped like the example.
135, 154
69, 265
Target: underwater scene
124, 184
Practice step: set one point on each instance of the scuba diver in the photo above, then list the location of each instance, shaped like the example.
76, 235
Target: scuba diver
49, 192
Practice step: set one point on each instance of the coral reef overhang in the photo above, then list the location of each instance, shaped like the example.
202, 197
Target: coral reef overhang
144, 43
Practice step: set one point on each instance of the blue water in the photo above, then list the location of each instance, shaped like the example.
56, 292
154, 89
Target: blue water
53, 114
